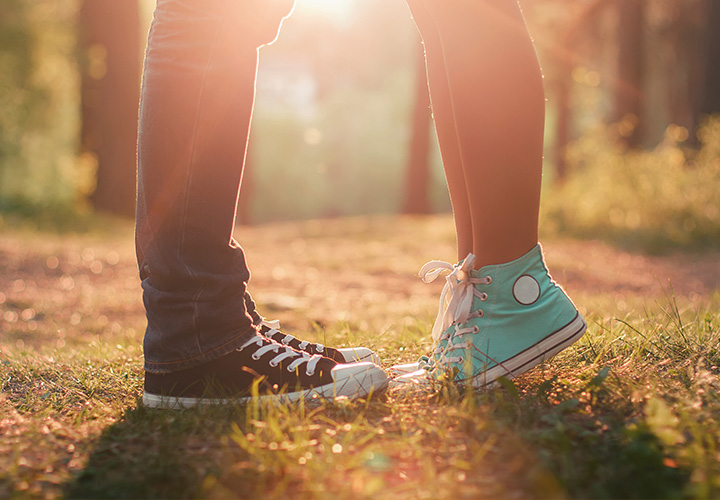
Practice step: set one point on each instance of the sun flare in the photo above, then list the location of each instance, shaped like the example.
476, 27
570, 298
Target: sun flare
340, 8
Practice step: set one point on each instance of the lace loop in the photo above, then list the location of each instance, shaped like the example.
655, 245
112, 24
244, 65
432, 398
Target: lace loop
282, 353
458, 293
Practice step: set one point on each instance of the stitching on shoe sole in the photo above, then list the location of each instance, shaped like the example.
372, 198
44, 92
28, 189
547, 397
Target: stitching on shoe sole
576, 327
328, 391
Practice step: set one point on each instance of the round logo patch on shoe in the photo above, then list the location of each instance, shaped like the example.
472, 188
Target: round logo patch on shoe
526, 290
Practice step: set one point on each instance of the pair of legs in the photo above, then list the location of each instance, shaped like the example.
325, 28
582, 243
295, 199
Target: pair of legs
489, 110
197, 101
500, 312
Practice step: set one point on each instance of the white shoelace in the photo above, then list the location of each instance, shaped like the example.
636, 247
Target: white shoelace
457, 296
282, 353
444, 354
274, 326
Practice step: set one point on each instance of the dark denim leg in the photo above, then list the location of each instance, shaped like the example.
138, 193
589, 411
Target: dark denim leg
197, 98
250, 308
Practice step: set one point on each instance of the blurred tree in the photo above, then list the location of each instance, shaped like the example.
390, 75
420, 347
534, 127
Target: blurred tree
17, 98
417, 172
630, 82
38, 112
563, 87
678, 28
710, 102
565, 58
110, 40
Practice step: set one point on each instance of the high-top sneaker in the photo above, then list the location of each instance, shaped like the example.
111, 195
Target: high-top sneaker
279, 372
498, 321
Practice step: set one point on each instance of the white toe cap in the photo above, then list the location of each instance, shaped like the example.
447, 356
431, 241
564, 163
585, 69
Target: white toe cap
358, 379
359, 354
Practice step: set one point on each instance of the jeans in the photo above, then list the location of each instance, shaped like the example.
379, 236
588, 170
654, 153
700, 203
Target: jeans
197, 96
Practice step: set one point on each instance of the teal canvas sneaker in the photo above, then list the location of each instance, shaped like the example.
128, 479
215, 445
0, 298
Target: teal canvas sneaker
499, 321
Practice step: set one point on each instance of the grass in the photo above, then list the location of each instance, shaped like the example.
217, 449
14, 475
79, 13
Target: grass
630, 411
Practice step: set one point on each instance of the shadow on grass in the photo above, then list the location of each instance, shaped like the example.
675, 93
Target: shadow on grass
618, 462
575, 451
156, 454
592, 445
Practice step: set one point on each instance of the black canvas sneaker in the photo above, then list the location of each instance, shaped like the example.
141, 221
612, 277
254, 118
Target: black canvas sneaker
279, 372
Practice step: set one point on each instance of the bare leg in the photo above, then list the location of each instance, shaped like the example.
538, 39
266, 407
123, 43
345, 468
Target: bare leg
507, 318
498, 106
445, 125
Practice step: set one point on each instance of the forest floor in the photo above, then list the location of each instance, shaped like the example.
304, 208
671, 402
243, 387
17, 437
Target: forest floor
631, 410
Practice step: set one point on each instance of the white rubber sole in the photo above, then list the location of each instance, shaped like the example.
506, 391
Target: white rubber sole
404, 369
513, 367
351, 381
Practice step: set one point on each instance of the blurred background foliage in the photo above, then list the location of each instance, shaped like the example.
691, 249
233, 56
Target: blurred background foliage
340, 122
649, 200
39, 120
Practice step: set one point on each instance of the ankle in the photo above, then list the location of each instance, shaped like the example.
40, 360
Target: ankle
496, 256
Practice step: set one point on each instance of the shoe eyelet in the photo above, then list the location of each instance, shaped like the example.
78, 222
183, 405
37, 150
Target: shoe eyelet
255, 357
480, 313
309, 374
461, 359
476, 329
489, 279
273, 364
484, 297
289, 369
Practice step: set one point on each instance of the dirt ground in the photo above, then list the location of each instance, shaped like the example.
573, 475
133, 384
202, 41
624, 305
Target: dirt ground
318, 272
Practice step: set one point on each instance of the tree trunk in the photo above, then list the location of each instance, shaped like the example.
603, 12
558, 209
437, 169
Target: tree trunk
110, 39
417, 195
710, 102
567, 56
564, 118
629, 99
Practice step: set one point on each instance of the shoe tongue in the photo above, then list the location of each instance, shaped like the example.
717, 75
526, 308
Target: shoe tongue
326, 362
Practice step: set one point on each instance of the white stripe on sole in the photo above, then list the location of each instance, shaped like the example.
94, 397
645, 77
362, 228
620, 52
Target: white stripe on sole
370, 381
513, 367
534, 355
